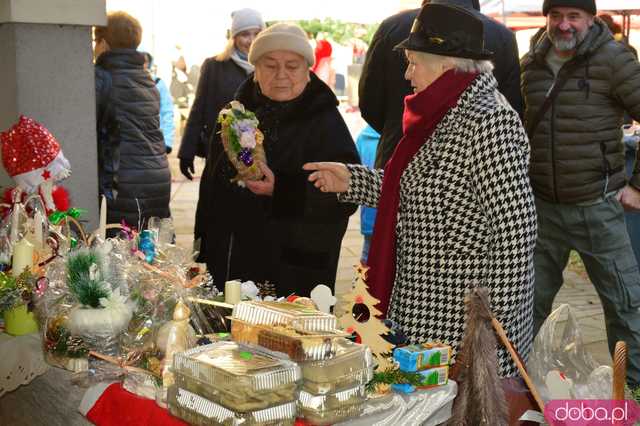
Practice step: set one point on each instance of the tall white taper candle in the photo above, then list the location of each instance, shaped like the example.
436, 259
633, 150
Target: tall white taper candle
102, 230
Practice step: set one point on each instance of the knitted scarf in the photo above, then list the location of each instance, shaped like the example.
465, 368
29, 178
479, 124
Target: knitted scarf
422, 113
241, 59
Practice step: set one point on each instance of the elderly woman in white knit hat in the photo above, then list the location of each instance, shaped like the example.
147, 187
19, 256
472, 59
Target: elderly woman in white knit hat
282, 229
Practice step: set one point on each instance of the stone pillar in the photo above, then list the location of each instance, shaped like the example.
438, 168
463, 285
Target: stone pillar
46, 73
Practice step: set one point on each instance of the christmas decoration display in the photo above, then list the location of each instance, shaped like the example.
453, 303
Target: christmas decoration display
266, 289
63, 349
59, 194
17, 295
174, 337
323, 298
147, 245
242, 140
102, 313
31, 155
359, 316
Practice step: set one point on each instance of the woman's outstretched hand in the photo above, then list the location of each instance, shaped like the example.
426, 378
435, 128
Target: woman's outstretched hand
264, 186
329, 177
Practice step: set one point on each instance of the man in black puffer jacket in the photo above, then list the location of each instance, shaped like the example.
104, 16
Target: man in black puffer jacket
134, 172
382, 87
577, 82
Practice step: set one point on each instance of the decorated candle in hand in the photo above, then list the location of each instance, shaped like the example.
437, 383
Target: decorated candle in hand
232, 292
22, 257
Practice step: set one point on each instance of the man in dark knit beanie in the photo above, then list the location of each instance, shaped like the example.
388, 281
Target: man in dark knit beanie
577, 82
586, 5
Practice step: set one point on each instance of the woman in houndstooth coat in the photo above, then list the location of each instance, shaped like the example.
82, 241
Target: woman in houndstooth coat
455, 208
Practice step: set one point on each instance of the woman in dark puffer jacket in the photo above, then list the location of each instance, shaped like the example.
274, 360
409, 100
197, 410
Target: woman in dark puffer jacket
134, 172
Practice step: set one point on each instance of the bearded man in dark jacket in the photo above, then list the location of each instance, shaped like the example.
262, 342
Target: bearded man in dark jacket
577, 82
382, 86
133, 170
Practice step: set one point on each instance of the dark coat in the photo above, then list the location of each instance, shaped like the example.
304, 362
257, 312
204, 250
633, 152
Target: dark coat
132, 162
216, 87
293, 238
382, 86
576, 153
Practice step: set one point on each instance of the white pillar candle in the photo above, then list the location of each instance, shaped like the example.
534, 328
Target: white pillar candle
38, 231
22, 257
232, 292
102, 229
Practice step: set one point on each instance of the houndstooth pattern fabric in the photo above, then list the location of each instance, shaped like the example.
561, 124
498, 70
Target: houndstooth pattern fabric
466, 218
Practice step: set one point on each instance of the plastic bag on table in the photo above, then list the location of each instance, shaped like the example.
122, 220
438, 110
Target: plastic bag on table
141, 383
97, 372
559, 364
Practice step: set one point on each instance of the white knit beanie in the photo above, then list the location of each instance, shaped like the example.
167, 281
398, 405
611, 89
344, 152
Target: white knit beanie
245, 19
282, 37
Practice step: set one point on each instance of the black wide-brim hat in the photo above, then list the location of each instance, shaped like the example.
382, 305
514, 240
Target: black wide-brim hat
447, 31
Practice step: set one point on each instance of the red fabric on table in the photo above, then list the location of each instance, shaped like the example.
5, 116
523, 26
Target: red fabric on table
118, 407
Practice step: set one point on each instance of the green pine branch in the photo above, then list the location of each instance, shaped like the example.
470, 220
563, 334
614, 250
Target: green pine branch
393, 376
87, 291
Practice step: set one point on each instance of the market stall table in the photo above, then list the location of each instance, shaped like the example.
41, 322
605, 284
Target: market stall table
22, 360
50, 399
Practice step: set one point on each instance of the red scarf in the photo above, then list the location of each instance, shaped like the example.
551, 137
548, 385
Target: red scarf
422, 113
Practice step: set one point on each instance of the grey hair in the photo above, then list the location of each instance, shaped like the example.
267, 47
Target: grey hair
458, 64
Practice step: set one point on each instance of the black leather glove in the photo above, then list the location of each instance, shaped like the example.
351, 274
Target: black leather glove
187, 168
169, 149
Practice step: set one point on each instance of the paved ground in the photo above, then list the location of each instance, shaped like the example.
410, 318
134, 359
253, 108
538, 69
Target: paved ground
577, 291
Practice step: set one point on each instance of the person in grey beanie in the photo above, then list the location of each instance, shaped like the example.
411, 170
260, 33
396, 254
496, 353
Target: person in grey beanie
220, 76
281, 229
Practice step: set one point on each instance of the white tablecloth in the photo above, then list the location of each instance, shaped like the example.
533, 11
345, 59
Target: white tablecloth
421, 408
21, 360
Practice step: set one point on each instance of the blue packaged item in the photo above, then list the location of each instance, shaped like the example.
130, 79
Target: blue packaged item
420, 357
403, 388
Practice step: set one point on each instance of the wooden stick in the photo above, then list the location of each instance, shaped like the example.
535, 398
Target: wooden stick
619, 371
516, 359
210, 302
120, 363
